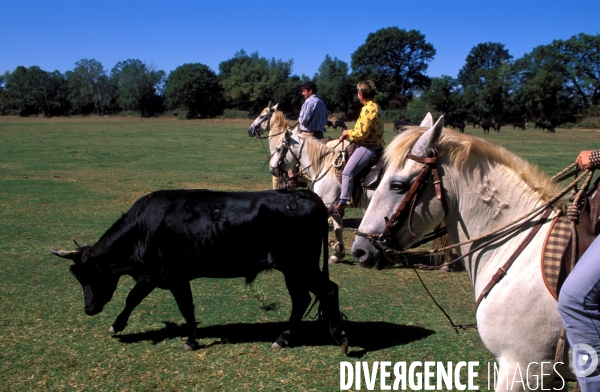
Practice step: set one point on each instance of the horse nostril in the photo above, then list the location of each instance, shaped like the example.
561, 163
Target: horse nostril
358, 253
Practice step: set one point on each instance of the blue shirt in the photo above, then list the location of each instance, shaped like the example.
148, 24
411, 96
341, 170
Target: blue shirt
313, 115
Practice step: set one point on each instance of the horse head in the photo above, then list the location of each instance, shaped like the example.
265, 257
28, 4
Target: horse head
256, 128
406, 205
286, 153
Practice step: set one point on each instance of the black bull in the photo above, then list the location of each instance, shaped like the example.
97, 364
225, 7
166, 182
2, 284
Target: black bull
170, 237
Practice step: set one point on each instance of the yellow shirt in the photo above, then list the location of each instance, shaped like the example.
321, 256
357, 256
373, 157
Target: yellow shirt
369, 126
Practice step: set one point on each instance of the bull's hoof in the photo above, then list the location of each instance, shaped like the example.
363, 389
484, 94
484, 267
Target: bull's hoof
115, 329
189, 346
276, 345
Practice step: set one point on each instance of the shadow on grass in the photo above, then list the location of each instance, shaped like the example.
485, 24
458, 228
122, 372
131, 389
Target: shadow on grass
366, 336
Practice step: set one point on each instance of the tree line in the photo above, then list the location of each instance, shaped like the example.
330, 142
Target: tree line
558, 82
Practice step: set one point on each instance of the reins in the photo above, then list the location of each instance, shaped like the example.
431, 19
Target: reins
302, 172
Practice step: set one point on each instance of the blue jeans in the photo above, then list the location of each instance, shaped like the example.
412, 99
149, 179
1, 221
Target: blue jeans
357, 162
579, 306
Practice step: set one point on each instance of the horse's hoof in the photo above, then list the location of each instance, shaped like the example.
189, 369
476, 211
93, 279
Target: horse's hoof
276, 346
445, 268
111, 330
334, 260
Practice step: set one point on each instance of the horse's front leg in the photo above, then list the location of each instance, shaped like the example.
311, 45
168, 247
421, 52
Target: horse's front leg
182, 292
338, 245
134, 298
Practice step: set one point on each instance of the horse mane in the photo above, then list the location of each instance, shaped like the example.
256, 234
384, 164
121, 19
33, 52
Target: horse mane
318, 153
278, 120
458, 148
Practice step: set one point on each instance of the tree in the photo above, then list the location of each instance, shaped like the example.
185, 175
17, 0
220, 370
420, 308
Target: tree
396, 60
250, 81
3, 79
195, 88
445, 96
288, 95
485, 80
89, 87
539, 83
580, 57
138, 86
34, 91
334, 85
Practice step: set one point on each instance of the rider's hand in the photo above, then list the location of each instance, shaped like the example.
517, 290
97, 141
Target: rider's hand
583, 160
344, 135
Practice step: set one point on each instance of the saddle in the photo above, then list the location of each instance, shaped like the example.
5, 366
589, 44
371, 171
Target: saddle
558, 247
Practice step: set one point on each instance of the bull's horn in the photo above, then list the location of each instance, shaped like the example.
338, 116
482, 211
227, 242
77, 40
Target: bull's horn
71, 254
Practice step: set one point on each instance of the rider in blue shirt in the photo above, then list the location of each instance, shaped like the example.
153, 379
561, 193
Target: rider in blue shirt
313, 115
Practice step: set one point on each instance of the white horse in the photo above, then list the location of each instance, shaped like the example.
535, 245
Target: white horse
485, 187
273, 121
317, 165
317, 162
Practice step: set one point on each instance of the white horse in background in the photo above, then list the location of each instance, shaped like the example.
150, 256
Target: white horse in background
317, 161
485, 187
317, 164
273, 121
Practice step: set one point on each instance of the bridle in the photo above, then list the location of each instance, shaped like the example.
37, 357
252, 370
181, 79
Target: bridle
286, 147
257, 125
407, 206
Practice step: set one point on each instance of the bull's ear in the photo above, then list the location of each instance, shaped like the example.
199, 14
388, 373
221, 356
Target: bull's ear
427, 121
427, 141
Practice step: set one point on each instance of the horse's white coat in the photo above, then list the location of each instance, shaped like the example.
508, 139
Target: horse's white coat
313, 154
518, 321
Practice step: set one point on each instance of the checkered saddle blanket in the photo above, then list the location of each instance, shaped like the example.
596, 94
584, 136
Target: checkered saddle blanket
555, 258
556, 252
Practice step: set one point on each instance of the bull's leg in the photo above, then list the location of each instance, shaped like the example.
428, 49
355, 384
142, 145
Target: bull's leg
327, 292
300, 300
183, 296
134, 298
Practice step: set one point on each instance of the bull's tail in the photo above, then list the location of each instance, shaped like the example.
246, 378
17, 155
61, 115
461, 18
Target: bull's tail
326, 253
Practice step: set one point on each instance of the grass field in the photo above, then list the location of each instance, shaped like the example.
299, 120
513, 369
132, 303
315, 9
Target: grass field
71, 178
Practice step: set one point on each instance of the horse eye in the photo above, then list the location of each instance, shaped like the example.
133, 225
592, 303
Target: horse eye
397, 186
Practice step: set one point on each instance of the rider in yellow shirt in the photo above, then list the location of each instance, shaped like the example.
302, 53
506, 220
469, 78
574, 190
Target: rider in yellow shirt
368, 136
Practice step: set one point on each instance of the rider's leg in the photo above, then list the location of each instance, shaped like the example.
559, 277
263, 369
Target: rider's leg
357, 162
579, 306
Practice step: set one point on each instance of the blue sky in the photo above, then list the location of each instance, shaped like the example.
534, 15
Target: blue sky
55, 34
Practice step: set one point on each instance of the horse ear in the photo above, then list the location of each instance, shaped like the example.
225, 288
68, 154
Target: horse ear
287, 134
275, 107
427, 121
270, 105
428, 140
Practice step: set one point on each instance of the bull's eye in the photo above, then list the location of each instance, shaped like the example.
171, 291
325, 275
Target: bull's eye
397, 186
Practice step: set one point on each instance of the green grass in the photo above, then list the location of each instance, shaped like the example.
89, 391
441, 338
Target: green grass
71, 178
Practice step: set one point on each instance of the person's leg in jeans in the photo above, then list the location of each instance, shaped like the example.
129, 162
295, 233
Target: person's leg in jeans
578, 304
357, 162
